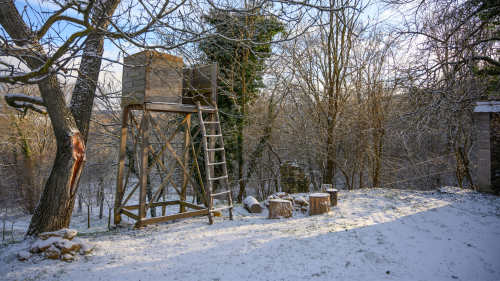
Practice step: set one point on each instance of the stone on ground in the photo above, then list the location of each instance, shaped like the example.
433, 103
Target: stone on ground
43, 245
53, 253
23, 255
66, 246
85, 248
66, 257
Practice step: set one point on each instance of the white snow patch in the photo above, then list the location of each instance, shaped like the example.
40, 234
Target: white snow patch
411, 235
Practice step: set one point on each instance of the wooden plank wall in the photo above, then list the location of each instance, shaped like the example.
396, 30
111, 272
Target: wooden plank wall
158, 79
202, 82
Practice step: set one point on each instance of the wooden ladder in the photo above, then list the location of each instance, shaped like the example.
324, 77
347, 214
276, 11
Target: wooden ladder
215, 133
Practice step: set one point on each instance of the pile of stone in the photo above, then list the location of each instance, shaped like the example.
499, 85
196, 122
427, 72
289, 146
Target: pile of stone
60, 244
300, 203
294, 179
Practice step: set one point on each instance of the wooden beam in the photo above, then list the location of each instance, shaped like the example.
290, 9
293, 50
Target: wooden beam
143, 176
198, 169
156, 204
192, 206
185, 160
135, 138
130, 214
221, 193
161, 187
176, 107
157, 157
121, 164
174, 217
214, 78
175, 155
157, 128
155, 160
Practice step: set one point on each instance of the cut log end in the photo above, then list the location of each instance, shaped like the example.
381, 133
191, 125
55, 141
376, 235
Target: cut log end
319, 203
280, 209
252, 205
333, 196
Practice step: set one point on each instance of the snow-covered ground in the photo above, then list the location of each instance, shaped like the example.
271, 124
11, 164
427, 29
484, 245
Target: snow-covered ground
371, 235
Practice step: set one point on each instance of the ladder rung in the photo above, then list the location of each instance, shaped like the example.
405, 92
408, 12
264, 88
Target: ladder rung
221, 209
210, 122
213, 164
220, 193
219, 178
215, 149
213, 136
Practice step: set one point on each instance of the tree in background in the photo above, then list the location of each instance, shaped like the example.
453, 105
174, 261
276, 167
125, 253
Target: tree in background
26, 150
241, 65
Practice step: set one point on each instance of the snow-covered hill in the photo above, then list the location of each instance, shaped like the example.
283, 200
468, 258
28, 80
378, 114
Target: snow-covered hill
371, 235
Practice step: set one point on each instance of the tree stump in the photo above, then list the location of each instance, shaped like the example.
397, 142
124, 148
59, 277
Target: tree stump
324, 187
280, 209
319, 203
333, 196
252, 205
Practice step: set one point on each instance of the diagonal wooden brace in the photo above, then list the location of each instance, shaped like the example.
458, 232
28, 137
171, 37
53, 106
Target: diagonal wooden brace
176, 157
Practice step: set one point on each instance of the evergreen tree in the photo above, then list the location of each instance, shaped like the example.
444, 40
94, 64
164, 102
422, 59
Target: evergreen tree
241, 63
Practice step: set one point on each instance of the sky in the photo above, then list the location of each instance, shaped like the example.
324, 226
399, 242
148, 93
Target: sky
31, 10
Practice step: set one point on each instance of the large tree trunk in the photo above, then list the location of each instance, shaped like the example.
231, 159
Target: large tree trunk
54, 209
60, 188
330, 148
242, 192
242, 183
268, 129
82, 100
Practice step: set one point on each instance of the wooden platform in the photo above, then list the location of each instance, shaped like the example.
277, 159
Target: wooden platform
199, 211
173, 107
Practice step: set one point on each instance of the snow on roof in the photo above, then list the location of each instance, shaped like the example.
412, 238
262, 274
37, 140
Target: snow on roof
490, 106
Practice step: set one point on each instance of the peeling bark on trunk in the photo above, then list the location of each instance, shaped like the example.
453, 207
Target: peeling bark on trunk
60, 188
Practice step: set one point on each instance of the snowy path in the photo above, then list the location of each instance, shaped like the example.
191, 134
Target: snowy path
371, 235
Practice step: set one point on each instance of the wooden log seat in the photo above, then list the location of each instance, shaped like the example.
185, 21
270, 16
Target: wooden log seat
319, 203
280, 209
333, 196
252, 205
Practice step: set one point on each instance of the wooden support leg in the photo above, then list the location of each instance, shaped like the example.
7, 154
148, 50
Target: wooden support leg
121, 164
185, 159
143, 168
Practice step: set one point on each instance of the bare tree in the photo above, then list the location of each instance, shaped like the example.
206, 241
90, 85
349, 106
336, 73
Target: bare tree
36, 53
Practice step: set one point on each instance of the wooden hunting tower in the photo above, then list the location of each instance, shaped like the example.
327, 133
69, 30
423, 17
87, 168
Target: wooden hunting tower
153, 83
